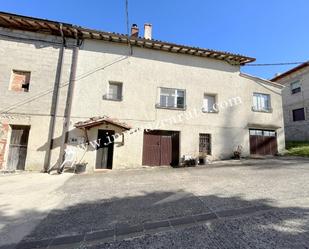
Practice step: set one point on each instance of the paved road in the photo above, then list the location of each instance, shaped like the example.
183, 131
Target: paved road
247, 204
25, 200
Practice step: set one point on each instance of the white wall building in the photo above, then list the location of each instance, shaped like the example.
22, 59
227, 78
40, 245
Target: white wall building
150, 103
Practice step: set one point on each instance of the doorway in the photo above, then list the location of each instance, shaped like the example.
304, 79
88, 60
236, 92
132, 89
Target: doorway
161, 148
18, 147
263, 142
105, 149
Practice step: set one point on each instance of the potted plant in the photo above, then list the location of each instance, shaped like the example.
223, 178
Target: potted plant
202, 158
80, 167
237, 152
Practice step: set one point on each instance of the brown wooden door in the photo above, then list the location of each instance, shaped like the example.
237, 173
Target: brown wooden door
18, 148
158, 149
263, 144
166, 150
105, 150
151, 150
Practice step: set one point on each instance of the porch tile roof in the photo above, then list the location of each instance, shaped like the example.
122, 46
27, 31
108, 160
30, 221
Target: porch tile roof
95, 121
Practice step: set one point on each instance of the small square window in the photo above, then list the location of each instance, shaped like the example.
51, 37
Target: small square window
295, 87
299, 114
209, 103
114, 91
20, 81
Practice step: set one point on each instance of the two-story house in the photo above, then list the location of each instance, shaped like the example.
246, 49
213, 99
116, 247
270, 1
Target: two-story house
123, 101
295, 100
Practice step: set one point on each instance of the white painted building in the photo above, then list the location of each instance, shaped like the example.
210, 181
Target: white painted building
156, 101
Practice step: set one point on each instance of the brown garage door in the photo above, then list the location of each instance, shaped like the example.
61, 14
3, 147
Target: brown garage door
263, 142
161, 148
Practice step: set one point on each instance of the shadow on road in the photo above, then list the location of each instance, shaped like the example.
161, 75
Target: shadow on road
231, 220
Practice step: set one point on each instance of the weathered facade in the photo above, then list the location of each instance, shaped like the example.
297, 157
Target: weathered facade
164, 101
295, 100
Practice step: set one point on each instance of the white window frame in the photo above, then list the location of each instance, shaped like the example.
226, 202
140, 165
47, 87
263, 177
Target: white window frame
108, 95
258, 106
214, 108
175, 95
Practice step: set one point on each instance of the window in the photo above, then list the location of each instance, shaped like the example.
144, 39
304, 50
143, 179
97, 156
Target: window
20, 81
256, 132
265, 133
261, 102
114, 91
295, 87
205, 144
299, 114
172, 98
209, 103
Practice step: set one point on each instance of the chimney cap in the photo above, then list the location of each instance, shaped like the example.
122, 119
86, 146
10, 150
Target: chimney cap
134, 30
148, 31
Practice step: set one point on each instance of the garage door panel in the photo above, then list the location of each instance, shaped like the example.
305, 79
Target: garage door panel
253, 144
264, 143
151, 150
166, 150
161, 148
274, 145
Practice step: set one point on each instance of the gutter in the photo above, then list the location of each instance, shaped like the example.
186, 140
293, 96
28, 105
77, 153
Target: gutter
54, 104
68, 106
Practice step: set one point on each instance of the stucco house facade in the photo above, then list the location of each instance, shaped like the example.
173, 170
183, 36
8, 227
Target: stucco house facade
295, 100
119, 101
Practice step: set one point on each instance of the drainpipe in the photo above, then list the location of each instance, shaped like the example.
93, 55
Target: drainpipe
54, 104
68, 108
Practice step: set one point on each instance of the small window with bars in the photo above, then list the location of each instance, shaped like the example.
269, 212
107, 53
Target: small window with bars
205, 143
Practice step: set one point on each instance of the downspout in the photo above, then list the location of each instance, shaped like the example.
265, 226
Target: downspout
54, 104
68, 108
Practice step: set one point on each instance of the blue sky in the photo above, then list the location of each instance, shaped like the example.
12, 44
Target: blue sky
271, 31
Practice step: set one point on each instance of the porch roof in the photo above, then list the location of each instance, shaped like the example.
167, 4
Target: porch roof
96, 121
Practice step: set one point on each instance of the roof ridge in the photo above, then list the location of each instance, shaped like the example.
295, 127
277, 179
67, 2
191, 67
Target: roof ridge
34, 24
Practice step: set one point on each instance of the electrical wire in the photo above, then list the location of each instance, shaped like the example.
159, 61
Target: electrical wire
63, 84
274, 64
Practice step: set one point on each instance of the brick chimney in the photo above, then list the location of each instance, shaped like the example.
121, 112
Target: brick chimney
134, 30
148, 31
